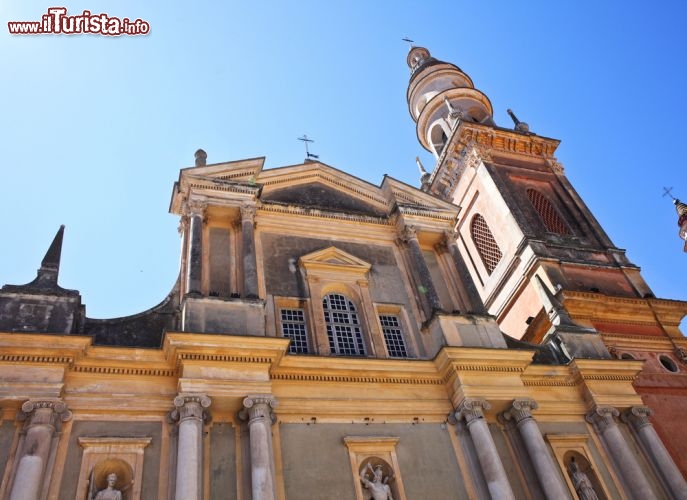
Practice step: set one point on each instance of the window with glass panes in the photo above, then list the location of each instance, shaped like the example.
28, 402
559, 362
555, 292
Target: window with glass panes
343, 327
393, 336
293, 327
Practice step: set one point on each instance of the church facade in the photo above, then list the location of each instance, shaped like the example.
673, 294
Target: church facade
477, 337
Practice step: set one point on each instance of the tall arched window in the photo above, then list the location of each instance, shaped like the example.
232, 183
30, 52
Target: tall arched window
343, 327
548, 215
488, 250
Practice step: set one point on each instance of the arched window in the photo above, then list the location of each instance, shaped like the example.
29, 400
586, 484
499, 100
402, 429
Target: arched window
486, 245
548, 215
343, 327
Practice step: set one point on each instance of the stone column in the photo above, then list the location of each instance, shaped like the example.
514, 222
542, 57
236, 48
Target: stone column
190, 413
432, 302
549, 475
43, 417
250, 267
470, 409
603, 418
194, 259
257, 411
473, 295
638, 418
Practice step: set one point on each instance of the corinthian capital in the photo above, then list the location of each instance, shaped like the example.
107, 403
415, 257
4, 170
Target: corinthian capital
520, 409
190, 406
603, 416
259, 407
48, 411
195, 207
637, 416
248, 213
470, 409
407, 233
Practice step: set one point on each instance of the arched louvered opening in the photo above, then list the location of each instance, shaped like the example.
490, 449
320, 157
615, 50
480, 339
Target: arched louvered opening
343, 327
488, 250
548, 215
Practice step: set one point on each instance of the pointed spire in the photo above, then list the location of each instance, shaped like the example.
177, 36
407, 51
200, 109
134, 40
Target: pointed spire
50, 265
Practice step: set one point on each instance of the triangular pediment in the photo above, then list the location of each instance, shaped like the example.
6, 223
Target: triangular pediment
240, 170
405, 195
333, 258
316, 185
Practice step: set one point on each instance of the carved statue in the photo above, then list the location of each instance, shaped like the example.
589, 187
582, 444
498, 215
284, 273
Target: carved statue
583, 486
377, 487
109, 493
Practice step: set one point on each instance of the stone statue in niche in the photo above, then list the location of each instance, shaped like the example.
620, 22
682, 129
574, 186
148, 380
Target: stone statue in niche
378, 487
109, 493
583, 486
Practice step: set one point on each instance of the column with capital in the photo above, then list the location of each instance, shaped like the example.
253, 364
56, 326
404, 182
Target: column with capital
250, 266
470, 409
603, 419
638, 418
548, 473
43, 418
431, 303
194, 259
257, 411
190, 413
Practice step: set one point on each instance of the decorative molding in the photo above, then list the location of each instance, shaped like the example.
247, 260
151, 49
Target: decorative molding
307, 377
34, 358
224, 358
550, 381
272, 206
120, 370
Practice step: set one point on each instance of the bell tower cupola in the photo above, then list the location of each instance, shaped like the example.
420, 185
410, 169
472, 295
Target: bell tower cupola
440, 95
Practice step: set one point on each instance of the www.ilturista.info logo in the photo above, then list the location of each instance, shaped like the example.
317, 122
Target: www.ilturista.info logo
57, 22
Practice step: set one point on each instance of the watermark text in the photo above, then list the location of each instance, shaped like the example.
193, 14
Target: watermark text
57, 22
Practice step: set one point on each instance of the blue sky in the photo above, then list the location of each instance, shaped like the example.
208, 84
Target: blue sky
95, 129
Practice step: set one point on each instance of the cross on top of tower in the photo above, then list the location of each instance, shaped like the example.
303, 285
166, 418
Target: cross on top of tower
308, 154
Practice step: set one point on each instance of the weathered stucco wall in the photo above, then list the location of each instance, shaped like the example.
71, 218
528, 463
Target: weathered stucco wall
222, 462
316, 460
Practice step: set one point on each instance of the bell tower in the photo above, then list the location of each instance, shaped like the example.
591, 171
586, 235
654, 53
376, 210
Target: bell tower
524, 233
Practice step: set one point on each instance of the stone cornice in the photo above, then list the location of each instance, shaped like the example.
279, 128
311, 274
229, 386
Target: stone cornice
506, 141
278, 207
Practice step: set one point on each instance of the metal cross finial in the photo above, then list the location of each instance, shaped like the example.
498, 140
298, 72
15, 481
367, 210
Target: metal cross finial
410, 42
667, 192
306, 140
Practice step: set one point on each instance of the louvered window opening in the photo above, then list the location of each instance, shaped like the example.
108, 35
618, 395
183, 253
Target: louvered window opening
343, 327
488, 250
548, 215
